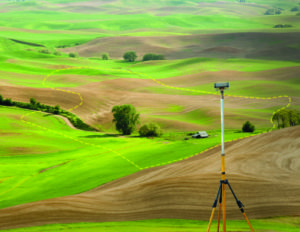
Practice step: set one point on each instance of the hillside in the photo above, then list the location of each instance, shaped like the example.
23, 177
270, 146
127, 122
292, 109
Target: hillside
263, 170
178, 94
50, 173
268, 46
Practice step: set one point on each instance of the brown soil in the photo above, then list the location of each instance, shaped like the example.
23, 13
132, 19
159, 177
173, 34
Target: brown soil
272, 46
99, 98
263, 171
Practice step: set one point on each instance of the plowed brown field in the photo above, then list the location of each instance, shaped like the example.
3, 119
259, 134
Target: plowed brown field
238, 45
100, 97
264, 171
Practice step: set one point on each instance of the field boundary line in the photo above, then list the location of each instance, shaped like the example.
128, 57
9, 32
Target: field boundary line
172, 87
115, 152
217, 93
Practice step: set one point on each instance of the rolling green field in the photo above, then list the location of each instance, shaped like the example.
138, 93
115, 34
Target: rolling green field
34, 169
41, 157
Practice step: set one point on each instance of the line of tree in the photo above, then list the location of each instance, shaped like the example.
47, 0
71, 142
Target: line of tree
273, 11
286, 118
282, 26
35, 105
296, 8
152, 56
131, 56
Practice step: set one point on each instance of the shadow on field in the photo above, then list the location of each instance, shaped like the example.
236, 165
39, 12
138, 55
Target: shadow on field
47, 115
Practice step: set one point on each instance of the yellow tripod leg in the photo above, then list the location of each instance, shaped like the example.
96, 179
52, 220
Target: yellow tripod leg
224, 207
211, 218
219, 217
248, 222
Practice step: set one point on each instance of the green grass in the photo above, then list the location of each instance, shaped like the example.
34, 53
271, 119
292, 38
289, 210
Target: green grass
76, 161
255, 88
284, 224
53, 20
36, 64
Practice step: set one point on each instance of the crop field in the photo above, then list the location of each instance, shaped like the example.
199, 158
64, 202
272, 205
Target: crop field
93, 157
48, 167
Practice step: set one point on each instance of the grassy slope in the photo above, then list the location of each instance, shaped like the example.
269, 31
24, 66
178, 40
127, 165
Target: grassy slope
22, 163
35, 66
76, 161
58, 26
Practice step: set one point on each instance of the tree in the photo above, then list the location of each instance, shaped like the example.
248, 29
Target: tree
56, 109
8, 102
248, 127
73, 54
126, 118
296, 8
273, 11
150, 129
105, 56
33, 101
286, 118
130, 56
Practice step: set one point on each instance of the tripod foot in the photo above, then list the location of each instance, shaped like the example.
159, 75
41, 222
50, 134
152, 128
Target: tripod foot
245, 216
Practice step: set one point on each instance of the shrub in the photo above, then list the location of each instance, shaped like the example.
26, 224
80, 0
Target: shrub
57, 53
151, 56
45, 51
73, 54
248, 127
105, 56
150, 130
130, 56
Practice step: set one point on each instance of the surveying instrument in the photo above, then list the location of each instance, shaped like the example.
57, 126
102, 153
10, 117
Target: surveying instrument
223, 182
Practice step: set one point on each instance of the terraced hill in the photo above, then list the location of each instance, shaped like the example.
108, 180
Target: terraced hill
268, 46
263, 170
51, 173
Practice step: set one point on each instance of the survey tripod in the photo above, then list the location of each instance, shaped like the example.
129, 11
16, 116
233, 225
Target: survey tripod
221, 197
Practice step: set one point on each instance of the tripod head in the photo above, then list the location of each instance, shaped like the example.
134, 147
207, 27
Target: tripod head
221, 86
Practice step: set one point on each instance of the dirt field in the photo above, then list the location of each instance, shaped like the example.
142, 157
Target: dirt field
100, 97
272, 46
263, 170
